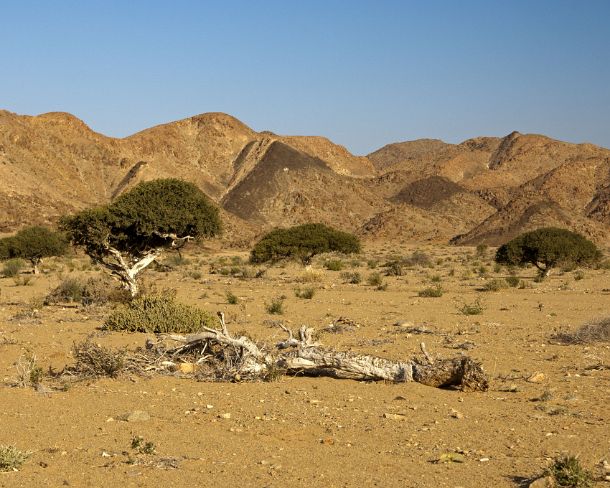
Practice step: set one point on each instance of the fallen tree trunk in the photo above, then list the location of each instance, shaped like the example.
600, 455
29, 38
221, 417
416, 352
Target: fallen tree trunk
302, 355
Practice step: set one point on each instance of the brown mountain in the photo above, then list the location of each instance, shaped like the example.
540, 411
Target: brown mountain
484, 189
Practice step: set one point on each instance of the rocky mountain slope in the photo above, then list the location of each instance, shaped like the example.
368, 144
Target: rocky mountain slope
482, 190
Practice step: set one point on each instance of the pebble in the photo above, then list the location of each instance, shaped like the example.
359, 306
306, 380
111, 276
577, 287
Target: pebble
137, 416
537, 377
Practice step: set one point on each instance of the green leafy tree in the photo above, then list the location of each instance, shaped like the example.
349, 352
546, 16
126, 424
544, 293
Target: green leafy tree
34, 244
546, 248
130, 233
303, 242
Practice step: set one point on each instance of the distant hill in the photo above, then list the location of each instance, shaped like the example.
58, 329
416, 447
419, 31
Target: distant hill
483, 190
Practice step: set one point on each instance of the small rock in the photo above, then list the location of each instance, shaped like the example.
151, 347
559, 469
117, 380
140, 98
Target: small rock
451, 457
394, 416
456, 415
546, 482
137, 416
188, 368
224, 416
537, 377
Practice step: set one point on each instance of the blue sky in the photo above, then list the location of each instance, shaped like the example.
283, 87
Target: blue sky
363, 73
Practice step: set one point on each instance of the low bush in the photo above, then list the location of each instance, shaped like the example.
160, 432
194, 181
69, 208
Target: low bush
276, 306
232, 298
512, 281
374, 279
351, 277
431, 292
475, 308
93, 360
495, 285
567, 471
11, 458
303, 242
334, 265
595, 331
12, 268
159, 314
306, 293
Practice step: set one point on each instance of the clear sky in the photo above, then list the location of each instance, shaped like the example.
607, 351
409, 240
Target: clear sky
363, 73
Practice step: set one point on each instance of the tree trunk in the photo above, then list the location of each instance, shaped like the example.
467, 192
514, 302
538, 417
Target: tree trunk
303, 356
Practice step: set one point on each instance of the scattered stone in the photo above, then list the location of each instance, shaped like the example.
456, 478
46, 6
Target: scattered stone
137, 416
546, 482
224, 416
537, 377
456, 415
451, 457
394, 416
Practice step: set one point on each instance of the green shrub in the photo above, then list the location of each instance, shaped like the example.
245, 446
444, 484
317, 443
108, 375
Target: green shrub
481, 250
303, 242
334, 265
568, 472
352, 277
393, 268
547, 248
435, 278
232, 298
68, 291
306, 293
12, 268
159, 314
418, 258
431, 292
579, 275
93, 360
276, 306
11, 458
512, 281
34, 244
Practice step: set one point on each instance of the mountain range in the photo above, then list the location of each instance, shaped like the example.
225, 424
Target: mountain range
483, 190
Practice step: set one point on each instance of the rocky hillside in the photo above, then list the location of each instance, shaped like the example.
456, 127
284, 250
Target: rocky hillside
482, 190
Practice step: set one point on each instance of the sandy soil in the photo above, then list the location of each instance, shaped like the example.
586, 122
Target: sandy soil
318, 431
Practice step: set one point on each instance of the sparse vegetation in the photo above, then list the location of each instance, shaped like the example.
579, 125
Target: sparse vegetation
306, 293
11, 458
351, 277
594, 331
93, 360
12, 268
334, 264
276, 306
374, 279
512, 281
303, 242
231, 298
431, 292
475, 308
34, 244
567, 471
495, 285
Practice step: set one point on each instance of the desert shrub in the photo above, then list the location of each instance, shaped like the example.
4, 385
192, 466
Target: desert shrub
393, 268
481, 249
605, 264
374, 279
93, 360
372, 263
352, 277
594, 331
435, 278
310, 275
303, 242
512, 281
175, 260
231, 298
431, 292
548, 247
497, 268
306, 293
579, 275
68, 291
159, 313
567, 471
12, 267
495, 285
275, 306
334, 265
475, 308
11, 458
418, 258
23, 280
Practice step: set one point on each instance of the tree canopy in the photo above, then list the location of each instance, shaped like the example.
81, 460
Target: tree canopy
33, 243
548, 247
129, 233
303, 242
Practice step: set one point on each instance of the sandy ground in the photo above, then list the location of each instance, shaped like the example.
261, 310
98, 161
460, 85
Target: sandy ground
300, 431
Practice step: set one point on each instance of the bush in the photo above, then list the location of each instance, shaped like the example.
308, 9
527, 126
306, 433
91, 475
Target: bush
512, 281
159, 314
303, 242
93, 360
431, 292
548, 247
94, 291
495, 285
232, 298
352, 277
567, 471
12, 268
11, 458
393, 268
595, 331
306, 293
334, 265
481, 250
276, 306
418, 258
475, 308
374, 279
